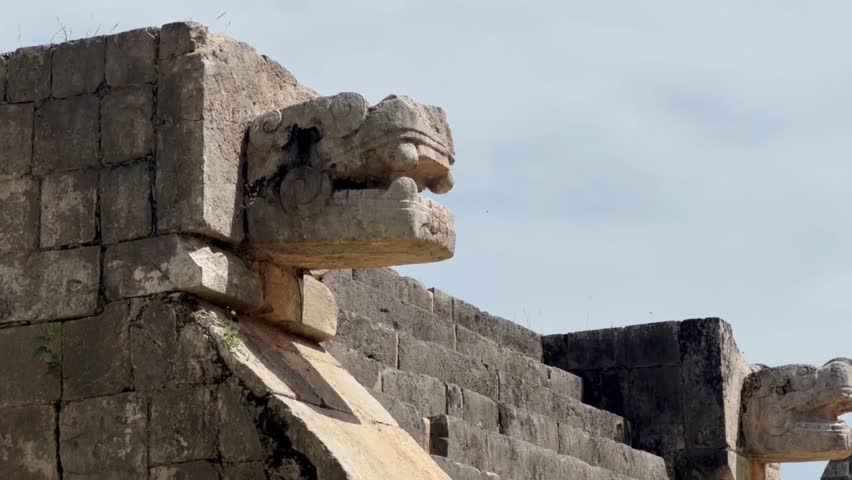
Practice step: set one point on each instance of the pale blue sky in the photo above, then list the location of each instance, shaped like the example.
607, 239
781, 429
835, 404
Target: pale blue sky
617, 162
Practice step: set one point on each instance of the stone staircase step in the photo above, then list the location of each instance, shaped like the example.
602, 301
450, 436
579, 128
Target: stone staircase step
460, 471
512, 458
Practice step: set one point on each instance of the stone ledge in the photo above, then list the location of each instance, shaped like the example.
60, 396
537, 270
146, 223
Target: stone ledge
175, 263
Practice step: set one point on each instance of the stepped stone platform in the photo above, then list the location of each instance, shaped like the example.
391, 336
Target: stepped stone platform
471, 387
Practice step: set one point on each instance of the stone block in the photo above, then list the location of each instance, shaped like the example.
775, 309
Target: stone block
154, 346
181, 37
19, 216
244, 471
405, 414
578, 444
385, 279
593, 349
131, 57
239, 440
319, 311
105, 437
414, 293
381, 307
428, 395
68, 208
78, 67
454, 439
96, 357
127, 129
66, 134
374, 340
126, 210
650, 345
656, 396
298, 303
459, 471
504, 332
478, 410
186, 471
660, 439
447, 365
205, 112
16, 139
564, 382
366, 370
442, 305
28, 443
27, 377
175, 263
529, 427
606, 389
183, 425
28, 71
42, 286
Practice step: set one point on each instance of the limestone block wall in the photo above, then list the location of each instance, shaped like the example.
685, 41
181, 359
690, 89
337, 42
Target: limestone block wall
677, 383
128, 344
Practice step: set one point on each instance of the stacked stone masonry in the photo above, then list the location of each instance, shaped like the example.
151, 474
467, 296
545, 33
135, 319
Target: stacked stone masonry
471, 387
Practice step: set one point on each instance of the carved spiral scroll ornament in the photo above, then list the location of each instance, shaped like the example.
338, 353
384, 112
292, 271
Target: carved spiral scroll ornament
304, 189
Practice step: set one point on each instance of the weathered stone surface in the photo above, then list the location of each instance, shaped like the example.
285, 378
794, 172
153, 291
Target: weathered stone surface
78, 67
415, 293
282, 293
186, 471
153, 346
389, 310
96, 357
126, 210
442, 305
27, 377
594, 349
19, 215
127, 130
105, 437
444, 364
365, 370
805, 400
351, 228
205, 110
838, 470
656, 395
476, 409
650, 345
43, 286
183, 425
458, 471
131, 57
244, 471
504, 332
28, 71
16, 138
374, 340
176, 263
28, 443
319, 311
529, 427
239, 440
406, 415
427, 394
68, 204
66, 134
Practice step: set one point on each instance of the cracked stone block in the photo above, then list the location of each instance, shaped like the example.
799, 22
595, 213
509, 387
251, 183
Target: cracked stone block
16, 137
68, 203
239, 440
96, 358
126, 210
19, 215
131, 57
28, 71
43, 286
183, 425
25, 376
105, 437
186, 264
78, 67
28, 443
66, 134
127, 130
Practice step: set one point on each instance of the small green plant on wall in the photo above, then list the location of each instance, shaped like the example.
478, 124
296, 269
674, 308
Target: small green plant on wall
46, 347
230, 335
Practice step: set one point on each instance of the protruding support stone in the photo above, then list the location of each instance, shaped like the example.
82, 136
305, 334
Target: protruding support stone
176, 263
298, 302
